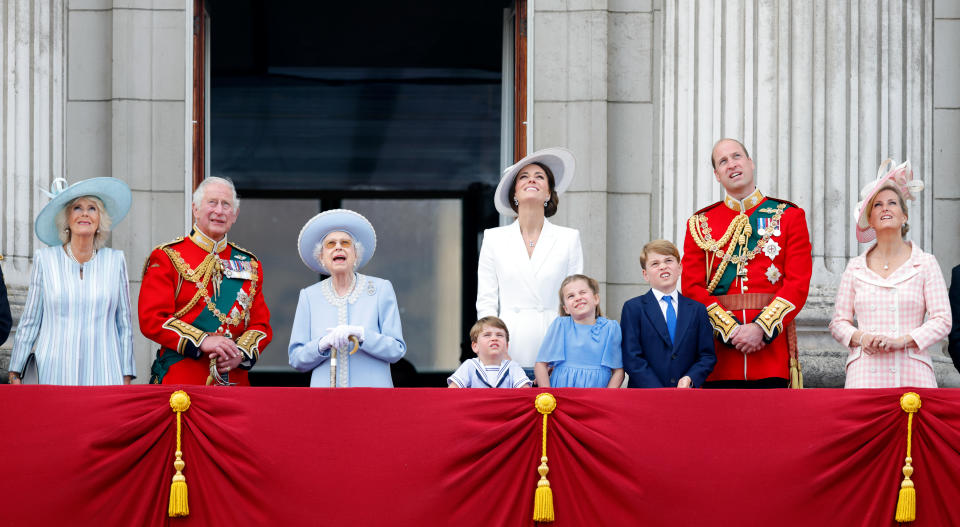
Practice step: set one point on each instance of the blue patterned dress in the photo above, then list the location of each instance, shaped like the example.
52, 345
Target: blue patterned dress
79, 330
582, 356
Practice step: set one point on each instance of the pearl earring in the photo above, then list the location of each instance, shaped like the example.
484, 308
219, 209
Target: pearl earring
516, 201
546, 204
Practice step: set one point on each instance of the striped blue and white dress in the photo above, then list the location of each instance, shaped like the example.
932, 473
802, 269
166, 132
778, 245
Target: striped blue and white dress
78, 330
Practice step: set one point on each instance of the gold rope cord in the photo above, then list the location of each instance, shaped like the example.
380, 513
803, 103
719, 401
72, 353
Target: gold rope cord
179, 506
545, 403
201, 276
907, 499
737, 234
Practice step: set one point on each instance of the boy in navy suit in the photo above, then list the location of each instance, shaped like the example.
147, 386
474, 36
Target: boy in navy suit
667, 337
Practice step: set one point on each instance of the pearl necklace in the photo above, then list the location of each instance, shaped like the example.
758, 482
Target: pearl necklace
70, 253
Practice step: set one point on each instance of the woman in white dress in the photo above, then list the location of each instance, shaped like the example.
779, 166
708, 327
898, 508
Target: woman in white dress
76, 321
522, 264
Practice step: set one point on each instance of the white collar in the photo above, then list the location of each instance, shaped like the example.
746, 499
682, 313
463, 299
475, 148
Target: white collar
659, 296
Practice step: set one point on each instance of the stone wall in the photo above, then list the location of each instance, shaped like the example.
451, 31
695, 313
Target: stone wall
95, 88
820, 93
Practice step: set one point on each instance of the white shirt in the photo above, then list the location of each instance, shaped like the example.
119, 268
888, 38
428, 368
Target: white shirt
672, 295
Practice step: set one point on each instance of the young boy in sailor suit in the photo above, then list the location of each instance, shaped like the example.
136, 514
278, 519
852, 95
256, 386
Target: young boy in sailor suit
492, 367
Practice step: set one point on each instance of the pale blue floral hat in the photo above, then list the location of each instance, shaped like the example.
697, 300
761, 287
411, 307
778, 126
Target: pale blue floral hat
114, 194
336, 220
560, 161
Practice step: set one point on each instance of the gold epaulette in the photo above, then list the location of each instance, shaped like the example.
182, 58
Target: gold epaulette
235, 246
708, 207
162, 245
781, 200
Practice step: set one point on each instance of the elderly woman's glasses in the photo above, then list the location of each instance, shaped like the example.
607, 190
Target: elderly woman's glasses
331, 244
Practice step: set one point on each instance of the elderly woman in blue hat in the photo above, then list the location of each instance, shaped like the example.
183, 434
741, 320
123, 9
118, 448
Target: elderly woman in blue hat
76, 321
521, 265
347, 327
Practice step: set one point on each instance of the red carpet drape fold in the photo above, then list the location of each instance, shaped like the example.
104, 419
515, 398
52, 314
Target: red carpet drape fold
294, 456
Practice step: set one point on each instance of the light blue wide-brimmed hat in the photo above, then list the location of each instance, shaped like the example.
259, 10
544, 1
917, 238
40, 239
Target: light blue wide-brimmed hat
336, 220
114, 194
560, 161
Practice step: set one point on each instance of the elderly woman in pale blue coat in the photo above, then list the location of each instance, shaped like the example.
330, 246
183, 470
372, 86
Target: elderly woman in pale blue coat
347, 327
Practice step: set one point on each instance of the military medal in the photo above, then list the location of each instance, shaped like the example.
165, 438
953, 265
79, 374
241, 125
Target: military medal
771, 249
773, 274
762, 225
238, 269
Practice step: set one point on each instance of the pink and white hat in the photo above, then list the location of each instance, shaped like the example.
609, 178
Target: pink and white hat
899, 178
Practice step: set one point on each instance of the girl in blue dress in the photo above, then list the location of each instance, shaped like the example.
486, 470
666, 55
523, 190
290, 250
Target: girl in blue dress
581, 347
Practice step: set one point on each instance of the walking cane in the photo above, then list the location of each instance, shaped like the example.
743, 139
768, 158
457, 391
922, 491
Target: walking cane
333, 359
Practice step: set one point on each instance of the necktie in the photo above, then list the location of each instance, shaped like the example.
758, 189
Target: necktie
671, 318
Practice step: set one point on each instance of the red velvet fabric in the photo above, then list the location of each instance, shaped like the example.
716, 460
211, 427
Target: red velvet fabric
296, 456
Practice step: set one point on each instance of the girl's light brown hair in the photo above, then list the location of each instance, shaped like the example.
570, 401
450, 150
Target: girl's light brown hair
591, 283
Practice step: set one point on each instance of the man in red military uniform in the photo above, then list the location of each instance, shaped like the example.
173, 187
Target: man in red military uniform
202, 298
748, 259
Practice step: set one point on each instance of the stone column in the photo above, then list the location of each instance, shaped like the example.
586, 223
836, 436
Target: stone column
32, 95
569, 75
820, 92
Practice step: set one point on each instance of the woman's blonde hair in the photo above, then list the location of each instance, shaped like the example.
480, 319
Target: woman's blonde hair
591, 283
103, 230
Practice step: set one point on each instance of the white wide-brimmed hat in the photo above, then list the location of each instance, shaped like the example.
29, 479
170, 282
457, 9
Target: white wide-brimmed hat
336, 220
900, 177
561, 163
114, 194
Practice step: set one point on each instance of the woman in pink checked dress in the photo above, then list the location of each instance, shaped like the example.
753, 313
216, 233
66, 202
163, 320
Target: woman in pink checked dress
890, 289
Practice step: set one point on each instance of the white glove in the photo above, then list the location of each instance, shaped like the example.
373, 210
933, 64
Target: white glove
341, 334
326, 343
356, 331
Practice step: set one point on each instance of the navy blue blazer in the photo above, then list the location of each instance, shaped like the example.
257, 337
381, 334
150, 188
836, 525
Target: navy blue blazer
953, 345
650, 359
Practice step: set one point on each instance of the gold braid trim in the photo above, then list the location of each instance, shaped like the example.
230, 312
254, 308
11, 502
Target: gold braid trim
771, 318
147, 261
244, 306
722, 321
185, 331
202, 273
201, 276
738, 233
249, 343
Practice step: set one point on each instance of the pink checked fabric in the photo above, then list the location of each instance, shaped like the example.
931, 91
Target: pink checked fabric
892, 307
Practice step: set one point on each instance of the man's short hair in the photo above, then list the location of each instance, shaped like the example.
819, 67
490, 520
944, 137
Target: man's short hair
713, 162
665, 247
488, 321
201, 188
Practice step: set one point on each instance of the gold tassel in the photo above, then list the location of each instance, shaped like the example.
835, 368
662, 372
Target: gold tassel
179, 506
796, 373
543, 499
907, 501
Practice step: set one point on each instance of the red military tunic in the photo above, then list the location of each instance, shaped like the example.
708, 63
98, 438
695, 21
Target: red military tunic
193, 287
763, 258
